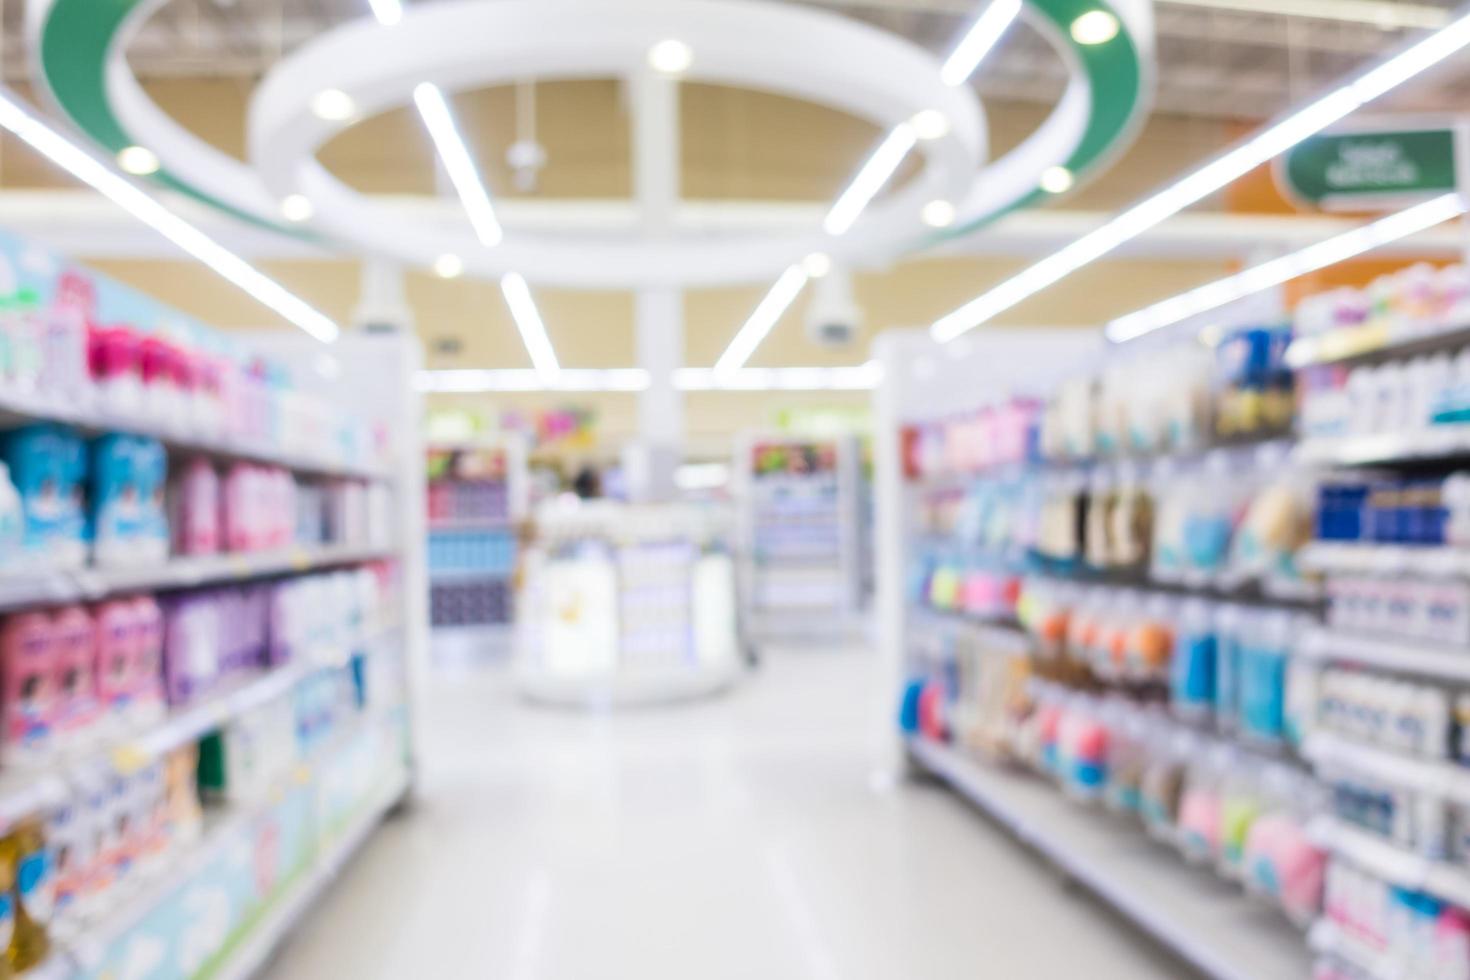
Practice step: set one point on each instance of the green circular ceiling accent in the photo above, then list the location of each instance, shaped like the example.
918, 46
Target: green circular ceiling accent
1118, 90
76, 39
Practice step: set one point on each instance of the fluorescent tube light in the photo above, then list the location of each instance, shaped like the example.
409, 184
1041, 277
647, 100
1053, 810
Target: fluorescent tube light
860, 377
528, 321
870, 179
1276, 271
1240, 159
777, 299
981, 38
458, 162
137, 202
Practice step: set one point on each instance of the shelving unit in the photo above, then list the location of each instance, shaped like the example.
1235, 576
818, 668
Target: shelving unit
1393, 864
87, 584
799, 526
478, 492
365, 760
1212, 926
1440, 778
1401, 656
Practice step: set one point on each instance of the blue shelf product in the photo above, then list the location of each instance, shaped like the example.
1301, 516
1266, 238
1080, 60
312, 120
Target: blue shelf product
489, 551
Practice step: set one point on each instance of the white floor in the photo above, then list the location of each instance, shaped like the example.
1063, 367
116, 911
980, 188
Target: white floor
737, 838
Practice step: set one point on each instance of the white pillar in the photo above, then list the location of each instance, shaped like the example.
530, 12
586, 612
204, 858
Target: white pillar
659, 313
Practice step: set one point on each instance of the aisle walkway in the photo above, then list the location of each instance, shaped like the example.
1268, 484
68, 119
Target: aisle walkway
733, 840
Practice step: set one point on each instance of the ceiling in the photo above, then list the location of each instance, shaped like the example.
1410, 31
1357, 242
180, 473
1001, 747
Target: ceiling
1214, 60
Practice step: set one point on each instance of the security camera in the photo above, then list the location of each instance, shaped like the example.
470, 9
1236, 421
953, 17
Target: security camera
833, 318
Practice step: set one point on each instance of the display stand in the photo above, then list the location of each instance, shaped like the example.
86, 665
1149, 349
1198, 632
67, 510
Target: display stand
800, 527
173, 889
477, 496
627, 605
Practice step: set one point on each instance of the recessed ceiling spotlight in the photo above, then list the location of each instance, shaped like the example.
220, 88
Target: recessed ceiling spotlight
333, 105
817, 265
448, 266
138, 160
938, 213
296, 207
670, 57
1095, 27
930, 124
1056, 180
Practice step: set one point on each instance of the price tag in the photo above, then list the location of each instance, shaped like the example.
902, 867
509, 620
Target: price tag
300, 560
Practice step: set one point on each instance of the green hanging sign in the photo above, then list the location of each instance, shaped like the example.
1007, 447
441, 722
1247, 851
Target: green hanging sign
1370, 168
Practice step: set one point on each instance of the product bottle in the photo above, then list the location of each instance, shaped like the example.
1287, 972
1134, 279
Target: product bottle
12, 522
33, 894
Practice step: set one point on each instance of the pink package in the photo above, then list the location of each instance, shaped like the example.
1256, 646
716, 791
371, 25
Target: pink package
28, 649
116, 655
237, 519
116, 362
147, 648
75, 664
196, 520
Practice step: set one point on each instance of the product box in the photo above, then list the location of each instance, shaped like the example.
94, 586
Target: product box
48, 465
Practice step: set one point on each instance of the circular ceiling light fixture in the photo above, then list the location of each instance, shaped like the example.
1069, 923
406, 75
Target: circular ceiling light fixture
1056, 180
930, 124
1095, 27
806, 54
670, 56
938, 213
817, 264
448, 266
296, 207
138, 160
333, 105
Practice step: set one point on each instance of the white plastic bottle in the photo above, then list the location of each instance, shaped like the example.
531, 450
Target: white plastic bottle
12, 521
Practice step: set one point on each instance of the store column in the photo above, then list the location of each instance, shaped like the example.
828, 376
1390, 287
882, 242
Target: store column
651, 462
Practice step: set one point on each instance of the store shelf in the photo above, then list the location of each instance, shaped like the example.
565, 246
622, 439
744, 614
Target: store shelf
1392, 863
80, 954
1443, 442
88, 584
1438, 778
1352, 557
454, 525
1377, 339
1330, 939
1206, 921
288, 911
1001, 636
24, 791
1405, 656
16, 409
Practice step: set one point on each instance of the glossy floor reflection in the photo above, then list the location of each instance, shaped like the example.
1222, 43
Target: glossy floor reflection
738, 838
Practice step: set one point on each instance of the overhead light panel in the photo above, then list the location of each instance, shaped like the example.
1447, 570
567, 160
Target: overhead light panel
1245, 156
1056, 180
333, 105
528, 321
979, 40
457, 161
388, 12
1285, 268
777, 299
870, 179
448, 266
296, 207
1094, 27
87, 168
930, 124
938, 213
670, 57
138, 160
